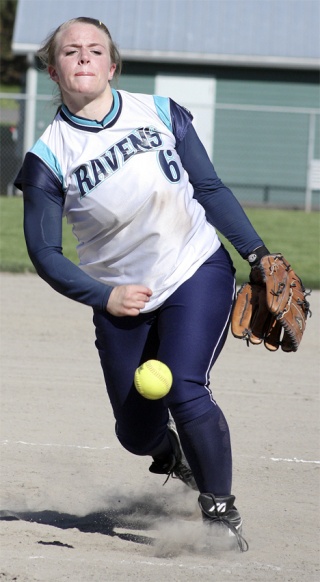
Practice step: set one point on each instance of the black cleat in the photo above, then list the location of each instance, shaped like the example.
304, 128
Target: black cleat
220, 510
174, 465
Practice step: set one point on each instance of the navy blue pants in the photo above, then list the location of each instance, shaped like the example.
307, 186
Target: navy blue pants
187, 333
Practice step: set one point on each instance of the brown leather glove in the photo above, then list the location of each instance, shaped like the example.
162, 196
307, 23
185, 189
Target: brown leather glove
272, 307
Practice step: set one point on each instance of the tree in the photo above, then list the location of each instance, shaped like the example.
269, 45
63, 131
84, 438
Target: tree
12, 67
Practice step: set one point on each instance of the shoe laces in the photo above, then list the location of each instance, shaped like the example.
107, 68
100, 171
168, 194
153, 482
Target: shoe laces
183, 473
242, 543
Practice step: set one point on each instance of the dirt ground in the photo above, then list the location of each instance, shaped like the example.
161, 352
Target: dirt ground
77, 507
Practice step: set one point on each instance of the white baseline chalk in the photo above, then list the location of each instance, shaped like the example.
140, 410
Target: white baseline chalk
294, 460
30, 444
7, 442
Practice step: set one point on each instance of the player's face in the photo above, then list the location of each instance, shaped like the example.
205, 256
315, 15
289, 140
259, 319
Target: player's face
83, 67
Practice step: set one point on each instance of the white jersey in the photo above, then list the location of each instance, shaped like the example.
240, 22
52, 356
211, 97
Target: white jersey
127, 195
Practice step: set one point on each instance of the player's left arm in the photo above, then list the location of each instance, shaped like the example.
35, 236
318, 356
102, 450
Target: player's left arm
271, 308
222, 208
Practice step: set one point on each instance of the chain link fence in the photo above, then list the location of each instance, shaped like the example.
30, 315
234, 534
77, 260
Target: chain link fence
15, 128
18, 130
9, 157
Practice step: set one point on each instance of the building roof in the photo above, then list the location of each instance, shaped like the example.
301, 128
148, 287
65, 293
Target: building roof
272, 33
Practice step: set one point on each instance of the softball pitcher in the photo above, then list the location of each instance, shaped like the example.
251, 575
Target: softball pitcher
145, 203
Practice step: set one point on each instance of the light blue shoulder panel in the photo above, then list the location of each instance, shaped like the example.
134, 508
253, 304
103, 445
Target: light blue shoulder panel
41, 150
163, 109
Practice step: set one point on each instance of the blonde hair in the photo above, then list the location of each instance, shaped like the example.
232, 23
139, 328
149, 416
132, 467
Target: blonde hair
46, 53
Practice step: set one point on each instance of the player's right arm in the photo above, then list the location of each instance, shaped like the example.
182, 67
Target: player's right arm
43, 212
43, 234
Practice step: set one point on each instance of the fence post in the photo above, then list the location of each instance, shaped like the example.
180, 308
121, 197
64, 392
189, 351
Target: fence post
312, 133
30, 110
266, 194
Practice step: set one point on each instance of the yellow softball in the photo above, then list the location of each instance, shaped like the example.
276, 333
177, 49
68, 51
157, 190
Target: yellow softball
153, 379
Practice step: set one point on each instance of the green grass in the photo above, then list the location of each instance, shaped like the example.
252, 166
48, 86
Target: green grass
10, 88
9, 103
13, 253
291, 232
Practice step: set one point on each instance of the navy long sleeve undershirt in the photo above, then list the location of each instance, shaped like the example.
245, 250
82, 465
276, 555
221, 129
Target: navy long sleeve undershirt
43, 213
222, 209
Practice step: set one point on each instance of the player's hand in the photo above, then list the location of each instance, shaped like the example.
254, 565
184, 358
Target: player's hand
128, 300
